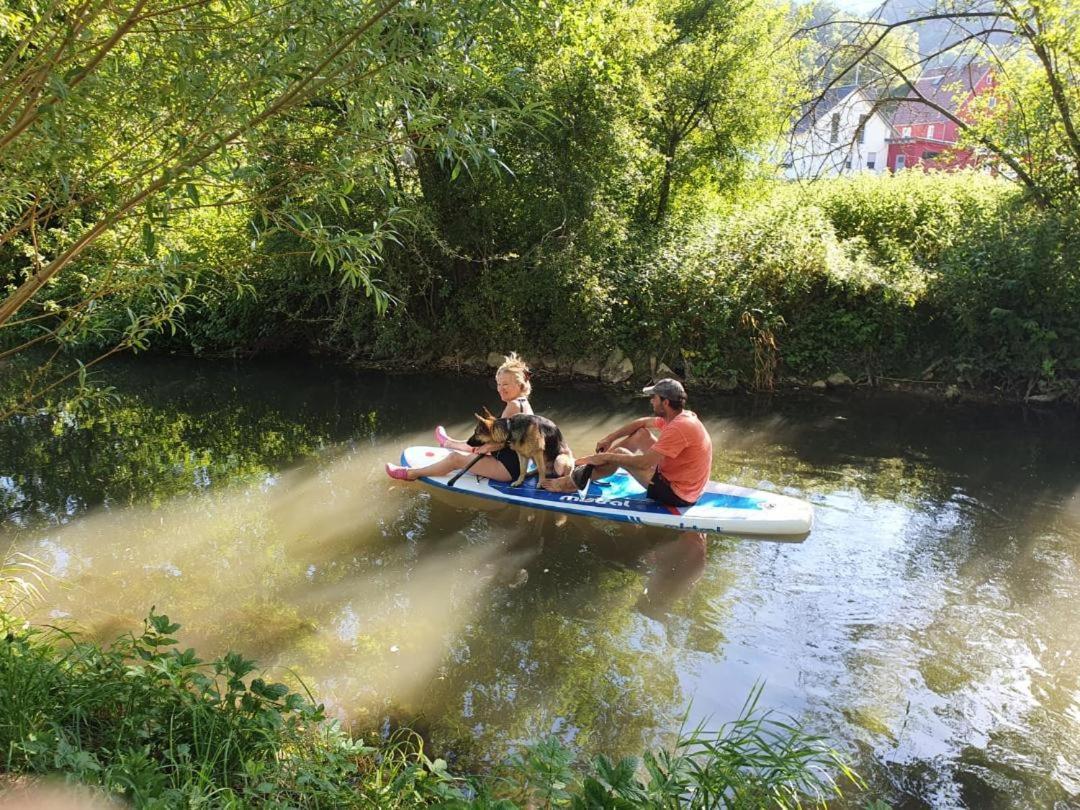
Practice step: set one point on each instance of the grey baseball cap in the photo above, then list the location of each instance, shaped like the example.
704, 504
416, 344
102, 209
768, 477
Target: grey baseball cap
666, 388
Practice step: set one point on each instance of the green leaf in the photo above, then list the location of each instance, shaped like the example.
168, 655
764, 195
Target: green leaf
149, 241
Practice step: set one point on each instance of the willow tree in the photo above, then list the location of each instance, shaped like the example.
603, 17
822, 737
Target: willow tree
118, 118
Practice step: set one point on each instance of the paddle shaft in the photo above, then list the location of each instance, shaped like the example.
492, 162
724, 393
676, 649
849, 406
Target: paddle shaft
465, 469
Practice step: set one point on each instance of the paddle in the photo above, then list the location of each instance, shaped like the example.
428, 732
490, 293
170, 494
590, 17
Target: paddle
465, 469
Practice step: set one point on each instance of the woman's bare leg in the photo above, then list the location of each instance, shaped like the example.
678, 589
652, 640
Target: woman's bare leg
449, 442
486, 466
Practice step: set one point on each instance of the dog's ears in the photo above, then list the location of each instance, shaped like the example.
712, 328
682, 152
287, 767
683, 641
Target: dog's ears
488, 414
486, 418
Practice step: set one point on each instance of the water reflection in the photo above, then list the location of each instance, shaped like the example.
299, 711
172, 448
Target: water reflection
928, 623
676, 565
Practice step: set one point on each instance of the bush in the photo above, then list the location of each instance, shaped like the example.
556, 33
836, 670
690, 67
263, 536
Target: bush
143, 720
878, 276
146, 721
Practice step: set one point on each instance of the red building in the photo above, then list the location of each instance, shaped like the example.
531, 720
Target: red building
922, 136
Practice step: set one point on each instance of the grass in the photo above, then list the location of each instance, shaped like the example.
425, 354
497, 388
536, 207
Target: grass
144, 721
756, 760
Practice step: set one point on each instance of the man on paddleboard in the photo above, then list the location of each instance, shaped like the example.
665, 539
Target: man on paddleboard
674, 467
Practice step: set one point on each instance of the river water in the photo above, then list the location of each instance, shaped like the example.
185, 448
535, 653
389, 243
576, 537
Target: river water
928, 625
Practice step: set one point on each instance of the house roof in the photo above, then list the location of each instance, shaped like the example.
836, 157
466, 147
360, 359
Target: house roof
947, 87
814, 110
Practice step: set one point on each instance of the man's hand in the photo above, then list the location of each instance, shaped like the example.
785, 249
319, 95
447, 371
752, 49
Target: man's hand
596, 460
486, 448
603, 445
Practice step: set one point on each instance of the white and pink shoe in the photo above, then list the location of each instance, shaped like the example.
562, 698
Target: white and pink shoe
397, 472
441, 436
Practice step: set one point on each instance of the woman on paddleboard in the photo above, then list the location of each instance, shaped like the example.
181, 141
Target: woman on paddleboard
514, 386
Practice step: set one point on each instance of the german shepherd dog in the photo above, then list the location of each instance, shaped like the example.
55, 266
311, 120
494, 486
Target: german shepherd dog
532, 437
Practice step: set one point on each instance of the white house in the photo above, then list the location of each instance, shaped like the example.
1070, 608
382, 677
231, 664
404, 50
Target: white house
839, 134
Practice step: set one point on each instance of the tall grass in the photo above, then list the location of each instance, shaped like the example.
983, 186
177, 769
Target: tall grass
757, 760
21, 580
145, 721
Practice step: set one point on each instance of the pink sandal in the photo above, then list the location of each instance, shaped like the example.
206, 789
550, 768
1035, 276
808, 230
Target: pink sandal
397, 472
441, 437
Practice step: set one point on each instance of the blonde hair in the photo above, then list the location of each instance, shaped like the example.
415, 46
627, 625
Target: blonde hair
515, 366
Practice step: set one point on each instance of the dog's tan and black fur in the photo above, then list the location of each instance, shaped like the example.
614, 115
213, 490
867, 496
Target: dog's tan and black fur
532, 437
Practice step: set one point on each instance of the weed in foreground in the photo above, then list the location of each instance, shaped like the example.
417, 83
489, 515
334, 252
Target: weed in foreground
147, 722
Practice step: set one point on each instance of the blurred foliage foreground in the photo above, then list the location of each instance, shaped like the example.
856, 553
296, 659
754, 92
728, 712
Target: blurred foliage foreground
142, 720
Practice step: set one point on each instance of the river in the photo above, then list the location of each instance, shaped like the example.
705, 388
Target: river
928, 625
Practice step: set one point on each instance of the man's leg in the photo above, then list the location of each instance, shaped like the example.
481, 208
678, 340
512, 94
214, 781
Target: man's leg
636, 442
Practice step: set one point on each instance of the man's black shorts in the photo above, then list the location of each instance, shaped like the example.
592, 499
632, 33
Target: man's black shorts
660, 490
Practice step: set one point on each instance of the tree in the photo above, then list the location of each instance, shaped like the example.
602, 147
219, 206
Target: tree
120, 119
719, 80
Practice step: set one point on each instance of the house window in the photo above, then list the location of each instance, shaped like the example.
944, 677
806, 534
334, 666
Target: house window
789, 160
871, 159
861, 132
930, 132
930, 155
834, 128
906, 132
901, 161
847, 163
991, 102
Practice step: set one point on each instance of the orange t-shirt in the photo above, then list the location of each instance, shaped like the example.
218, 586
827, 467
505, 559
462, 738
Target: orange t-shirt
687, 450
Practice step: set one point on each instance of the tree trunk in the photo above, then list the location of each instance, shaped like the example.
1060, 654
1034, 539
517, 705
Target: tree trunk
664, 197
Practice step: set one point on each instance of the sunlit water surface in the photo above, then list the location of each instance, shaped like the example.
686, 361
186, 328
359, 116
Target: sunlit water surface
928, 624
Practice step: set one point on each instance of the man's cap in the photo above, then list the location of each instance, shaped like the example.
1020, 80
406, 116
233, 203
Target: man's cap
666, 388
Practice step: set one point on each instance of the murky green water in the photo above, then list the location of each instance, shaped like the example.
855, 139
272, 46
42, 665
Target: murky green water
929, 624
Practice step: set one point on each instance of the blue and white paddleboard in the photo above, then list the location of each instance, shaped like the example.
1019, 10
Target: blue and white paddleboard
722, 507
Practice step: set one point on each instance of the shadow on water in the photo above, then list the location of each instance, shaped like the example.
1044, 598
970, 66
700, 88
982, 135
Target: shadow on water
927, 624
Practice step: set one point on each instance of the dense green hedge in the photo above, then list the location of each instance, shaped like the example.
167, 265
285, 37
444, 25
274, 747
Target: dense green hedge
874, 276
1000, 279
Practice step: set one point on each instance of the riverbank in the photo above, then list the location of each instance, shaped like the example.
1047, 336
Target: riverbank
923, 281
146, 722
933, 283
600, 372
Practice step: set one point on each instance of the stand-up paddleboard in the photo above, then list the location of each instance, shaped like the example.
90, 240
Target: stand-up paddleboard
722, 507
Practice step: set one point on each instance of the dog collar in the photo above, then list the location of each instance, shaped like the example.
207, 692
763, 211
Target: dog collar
506, 422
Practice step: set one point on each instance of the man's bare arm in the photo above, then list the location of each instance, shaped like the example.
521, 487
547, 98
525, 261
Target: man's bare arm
638, 461
628, 429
